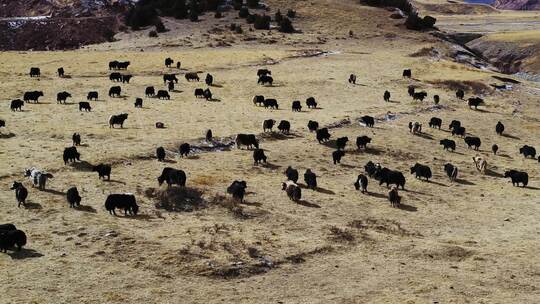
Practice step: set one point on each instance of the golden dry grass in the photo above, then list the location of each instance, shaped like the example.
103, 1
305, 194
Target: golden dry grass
470, 241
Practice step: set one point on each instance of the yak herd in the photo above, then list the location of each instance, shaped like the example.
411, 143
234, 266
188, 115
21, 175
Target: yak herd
11, 237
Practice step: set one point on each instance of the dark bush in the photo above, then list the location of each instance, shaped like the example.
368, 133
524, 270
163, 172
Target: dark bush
253, 3
239, 30
243, 13
179, 10
416, 23
262, 22
291, 13
193, 16
237, 4
429, 21
285, 26
140, 16
232, 26
403, 5
152, 34
210, 5
218, 15
250, 19
278, 16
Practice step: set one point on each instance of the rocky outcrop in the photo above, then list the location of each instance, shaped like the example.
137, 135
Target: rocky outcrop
517, 4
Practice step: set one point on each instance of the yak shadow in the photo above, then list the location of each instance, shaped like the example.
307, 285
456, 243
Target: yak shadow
140, 217
324, 191
437, 183
216, 85
82, 166
373, 151
255, 204
464, 182
307, 204
25, 253
504, 155
193, 157
377, 195
7, 135
492, 173
113, 181
176, 91
32, 206
406, 207
86, 208
414, 192
359, 84
393, 101
330, 143
169, 161
482, 110
270, 166
532, 188
424, 135
54, 192
214, 100
348, 166
510, 136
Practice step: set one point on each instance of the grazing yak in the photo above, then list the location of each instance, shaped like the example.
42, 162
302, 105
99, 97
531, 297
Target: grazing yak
73, 197
368, 121
169, 77
178, 64
268, 125
160, 154
117, 120
323, 135
454, 124
311, 103
7, 227
32, 96
352, 79
361, 183
35, 72
208, 135
494, 149
92, 95
209, 80
475, 102
473, 141
16, 104
436, 99
258, 100
435, 122
292, 174
103, 170
184, 149
312, 125
21, 193
263, 72
163, 94
371, 168
37, 177
160, 125
499, 128
258, 156
421, 171
460, 94
310, 178
237, 189
293, 190
270, 103
419, 95
389, 177
458, 131
284, 126
150, 92
362, 141
410, 90
126, 78
115, 77
407, 73
337, 155
265, 79
115, 91
71, 155
76, 138
62, 96
60, 72
393, 197
170, 86
480, 163
122, 65
2, 123
248, 140
12, 238
415, 128
85, 105
341, 142
517, 177
172, 177
138, 102
451, 171
192, 76
168, 62
124, 201
528, 151
199, 93
386, 96
296, 106
448, 144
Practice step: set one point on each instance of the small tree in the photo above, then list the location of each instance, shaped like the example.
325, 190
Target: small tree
237, 4
152, 34
160, 27
243, 13
285, 26
253, 3
179, 9
262, 22
278, 16
291, 13
251, 19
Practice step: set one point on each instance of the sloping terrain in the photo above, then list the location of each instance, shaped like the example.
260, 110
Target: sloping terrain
517, 4
474, 240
